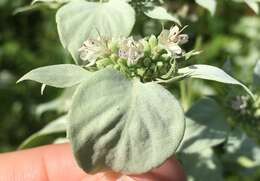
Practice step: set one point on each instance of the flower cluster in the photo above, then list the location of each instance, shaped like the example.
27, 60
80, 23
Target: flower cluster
150, 58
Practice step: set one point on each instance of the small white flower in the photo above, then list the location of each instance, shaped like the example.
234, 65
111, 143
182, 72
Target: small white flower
170, 40
92, 49
131, 50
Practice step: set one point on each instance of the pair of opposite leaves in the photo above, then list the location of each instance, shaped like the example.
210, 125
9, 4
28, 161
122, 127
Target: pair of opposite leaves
120, 124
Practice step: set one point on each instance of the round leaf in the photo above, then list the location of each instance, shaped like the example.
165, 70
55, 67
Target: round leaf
124, 125
79, 20
202, 166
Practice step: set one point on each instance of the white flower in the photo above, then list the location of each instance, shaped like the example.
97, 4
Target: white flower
92, 49
131, 50
170, 40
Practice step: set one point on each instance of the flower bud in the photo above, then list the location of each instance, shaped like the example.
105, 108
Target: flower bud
114, 57
147, 48
153, 41
113, 46
159, 64
102, 63
140, 72
147, 62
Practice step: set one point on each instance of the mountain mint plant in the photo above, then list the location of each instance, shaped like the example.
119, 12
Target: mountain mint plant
122, 116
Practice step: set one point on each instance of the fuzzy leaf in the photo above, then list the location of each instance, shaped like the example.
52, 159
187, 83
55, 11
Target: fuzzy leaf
243, 149
61, 76
48, 134
161, 13
208, 4
202, 166
123, 125
202, 129
80, 20
253, 4
211, 73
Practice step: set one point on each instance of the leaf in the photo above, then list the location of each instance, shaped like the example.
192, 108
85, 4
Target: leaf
202, 166
80, 20
161, 13
123, 125
48, 134
208, 4
253, 4
203, 130
211, 73
26, 8
243, 149
256, 80
61, 76
50, 1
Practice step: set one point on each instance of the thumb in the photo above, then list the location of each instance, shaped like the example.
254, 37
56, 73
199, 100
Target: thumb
56, 162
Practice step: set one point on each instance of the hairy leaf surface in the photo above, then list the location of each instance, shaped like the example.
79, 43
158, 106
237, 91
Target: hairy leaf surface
206, 126
211, 73
124, 125
161, 13
61, 76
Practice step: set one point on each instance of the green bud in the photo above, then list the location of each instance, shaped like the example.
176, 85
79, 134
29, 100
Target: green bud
159, 64
117, 67
147, 48
140, 72
102, 63
153, 41
165, 57
122, 62
147, 62
113, 46
114, 57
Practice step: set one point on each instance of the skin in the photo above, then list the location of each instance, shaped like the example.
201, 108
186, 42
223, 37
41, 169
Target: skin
56, 162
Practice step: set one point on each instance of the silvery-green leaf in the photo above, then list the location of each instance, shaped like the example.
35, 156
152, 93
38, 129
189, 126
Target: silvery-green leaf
61, 76
202, 166
123, 125
161, 13
48, 134
202, 129
208, 4
211, 73
80, 20
253, 4
257, 75
26, 8
243, 149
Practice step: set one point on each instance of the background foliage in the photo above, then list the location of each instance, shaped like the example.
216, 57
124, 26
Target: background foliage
229, 38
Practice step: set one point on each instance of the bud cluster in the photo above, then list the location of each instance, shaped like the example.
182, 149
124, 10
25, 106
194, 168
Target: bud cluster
150, 58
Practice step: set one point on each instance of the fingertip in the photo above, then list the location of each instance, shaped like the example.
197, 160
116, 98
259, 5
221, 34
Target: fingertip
171, 170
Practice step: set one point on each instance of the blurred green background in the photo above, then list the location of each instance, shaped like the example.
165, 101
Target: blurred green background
229, 39
27, 41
